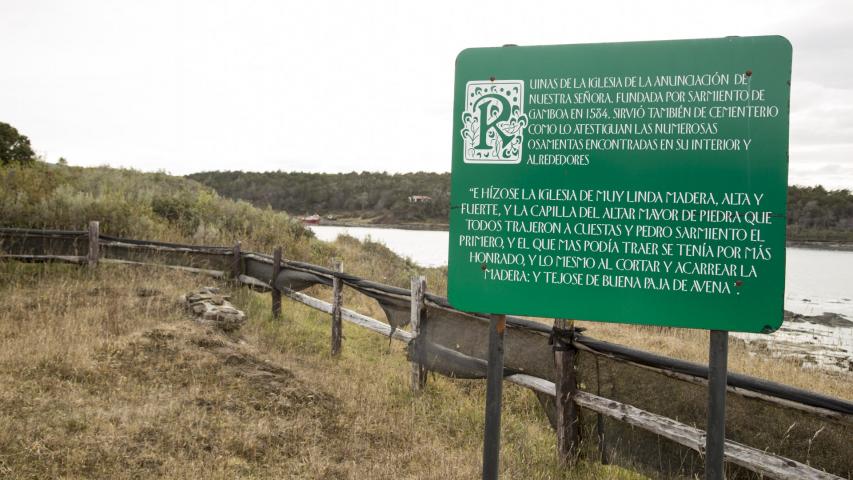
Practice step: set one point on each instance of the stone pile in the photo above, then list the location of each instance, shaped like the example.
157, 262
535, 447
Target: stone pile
213, 309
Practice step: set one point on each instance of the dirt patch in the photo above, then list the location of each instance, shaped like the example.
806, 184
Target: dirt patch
169, 352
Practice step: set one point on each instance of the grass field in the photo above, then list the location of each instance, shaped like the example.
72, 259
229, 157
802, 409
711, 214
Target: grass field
689, 344
106, 377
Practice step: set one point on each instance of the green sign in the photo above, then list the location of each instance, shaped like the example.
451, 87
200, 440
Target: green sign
629, 182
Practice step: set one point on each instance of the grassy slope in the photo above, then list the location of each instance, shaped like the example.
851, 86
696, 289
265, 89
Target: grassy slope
77, 407
143, 205
104, 376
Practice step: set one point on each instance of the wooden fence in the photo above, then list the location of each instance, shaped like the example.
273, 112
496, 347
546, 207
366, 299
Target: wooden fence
233, 263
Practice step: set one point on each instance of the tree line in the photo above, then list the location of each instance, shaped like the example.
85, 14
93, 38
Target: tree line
814, 213
380, 197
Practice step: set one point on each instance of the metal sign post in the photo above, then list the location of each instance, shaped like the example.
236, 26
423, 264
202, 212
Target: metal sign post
494, 394
715, 438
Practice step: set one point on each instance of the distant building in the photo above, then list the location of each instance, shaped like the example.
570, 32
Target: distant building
312, 219
419, 199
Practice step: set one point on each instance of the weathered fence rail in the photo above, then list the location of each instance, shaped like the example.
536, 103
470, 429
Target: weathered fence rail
451, 342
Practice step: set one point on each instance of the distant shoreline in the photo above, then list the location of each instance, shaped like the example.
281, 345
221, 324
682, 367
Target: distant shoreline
443, 227
837, 246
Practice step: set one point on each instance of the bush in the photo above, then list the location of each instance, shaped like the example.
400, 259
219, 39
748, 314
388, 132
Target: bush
14, 147
133, 204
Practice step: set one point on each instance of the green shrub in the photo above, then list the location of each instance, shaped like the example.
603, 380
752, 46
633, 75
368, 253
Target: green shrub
134, 204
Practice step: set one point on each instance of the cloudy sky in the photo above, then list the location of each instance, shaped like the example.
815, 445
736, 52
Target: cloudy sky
185, 86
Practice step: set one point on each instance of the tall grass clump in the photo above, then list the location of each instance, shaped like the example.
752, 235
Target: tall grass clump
134, 204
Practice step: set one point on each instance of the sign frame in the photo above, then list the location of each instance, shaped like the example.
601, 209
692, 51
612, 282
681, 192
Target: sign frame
733, 296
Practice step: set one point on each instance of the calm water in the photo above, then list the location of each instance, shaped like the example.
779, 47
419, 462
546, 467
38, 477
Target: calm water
425, 247
817, 281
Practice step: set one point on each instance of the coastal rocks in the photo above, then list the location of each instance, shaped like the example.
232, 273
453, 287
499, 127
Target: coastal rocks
213, 309
828, 318
815, 341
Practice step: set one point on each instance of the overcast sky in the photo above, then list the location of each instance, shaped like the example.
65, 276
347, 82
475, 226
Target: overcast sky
186, 86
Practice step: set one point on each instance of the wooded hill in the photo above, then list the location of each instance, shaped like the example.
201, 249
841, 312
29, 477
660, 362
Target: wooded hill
381, 197
814, 213
820, 215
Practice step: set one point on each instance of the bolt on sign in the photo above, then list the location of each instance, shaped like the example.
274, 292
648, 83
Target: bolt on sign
637, 182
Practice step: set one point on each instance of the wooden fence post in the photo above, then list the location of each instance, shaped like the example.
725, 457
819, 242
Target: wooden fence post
418, 314
568, 431
236, 262
94, 247
599, 420
337, 303
275, 292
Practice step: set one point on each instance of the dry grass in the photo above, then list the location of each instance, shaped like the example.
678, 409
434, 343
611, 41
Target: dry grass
105, 377
692, 345
374, 261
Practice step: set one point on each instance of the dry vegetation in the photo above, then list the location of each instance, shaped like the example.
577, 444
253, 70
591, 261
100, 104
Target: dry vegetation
105, 377
374, 261
692, 345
